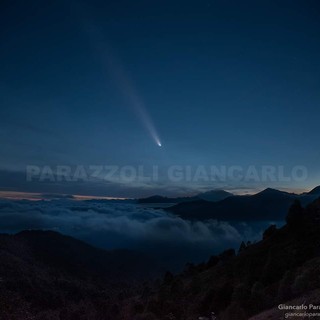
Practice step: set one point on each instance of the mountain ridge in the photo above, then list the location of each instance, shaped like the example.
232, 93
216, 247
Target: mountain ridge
284, 265
211, 195
268, 204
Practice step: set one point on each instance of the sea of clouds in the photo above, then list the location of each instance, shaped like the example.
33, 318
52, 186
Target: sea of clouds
111, 225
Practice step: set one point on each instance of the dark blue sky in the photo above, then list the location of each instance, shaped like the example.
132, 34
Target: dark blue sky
220, 83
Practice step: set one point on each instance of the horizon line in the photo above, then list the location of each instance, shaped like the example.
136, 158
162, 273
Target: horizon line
38, 196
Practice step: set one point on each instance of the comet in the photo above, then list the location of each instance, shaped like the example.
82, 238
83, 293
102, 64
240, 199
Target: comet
116, 70
133, 98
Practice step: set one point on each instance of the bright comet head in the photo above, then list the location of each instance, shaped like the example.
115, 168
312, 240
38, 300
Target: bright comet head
157, 140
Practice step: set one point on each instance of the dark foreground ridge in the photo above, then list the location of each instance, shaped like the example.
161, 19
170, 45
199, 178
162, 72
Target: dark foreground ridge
284, 265
46, 275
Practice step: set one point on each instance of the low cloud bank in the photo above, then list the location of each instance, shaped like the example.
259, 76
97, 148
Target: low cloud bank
120, 225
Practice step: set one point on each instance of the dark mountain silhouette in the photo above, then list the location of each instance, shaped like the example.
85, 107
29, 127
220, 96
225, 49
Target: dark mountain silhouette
284, 265
161, 199
45, 275
67, 253
213, 195
269, 204
315, 190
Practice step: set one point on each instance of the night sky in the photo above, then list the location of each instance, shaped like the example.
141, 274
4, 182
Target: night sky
218, 83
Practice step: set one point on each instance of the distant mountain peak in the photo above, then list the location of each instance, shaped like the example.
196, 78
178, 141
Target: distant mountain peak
216, 191
162, 199
211, 195
157, 196
271, 191
214, 195
315, 190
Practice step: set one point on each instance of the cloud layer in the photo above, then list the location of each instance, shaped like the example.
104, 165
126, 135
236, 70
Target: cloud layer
124, 225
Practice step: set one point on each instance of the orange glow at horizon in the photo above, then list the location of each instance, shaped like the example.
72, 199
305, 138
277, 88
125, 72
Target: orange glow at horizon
34, 196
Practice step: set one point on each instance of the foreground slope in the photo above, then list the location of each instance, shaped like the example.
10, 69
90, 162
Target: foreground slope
45, 275
283, 266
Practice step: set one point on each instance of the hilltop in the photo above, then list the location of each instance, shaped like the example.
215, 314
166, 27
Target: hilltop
284, 265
